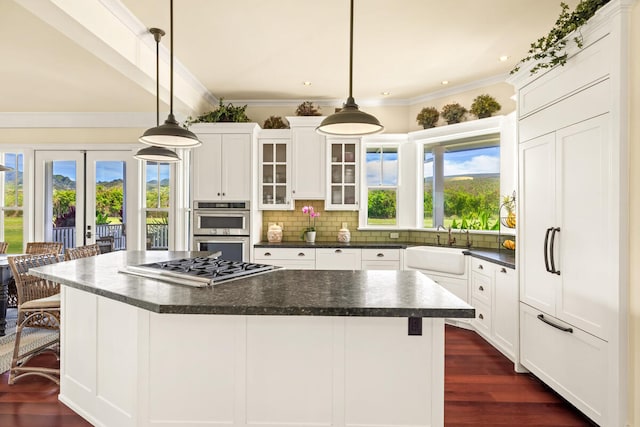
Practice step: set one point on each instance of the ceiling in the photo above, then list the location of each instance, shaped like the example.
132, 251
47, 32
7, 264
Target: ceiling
263, 51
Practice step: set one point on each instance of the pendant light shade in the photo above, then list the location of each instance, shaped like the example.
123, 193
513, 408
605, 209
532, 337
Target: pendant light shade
350, 121
4, 168
170, 133
157, 153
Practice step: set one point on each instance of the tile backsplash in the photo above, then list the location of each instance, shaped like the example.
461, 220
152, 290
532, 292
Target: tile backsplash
329, 223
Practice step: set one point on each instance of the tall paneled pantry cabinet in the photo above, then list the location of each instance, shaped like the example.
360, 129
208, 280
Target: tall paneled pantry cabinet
573, 219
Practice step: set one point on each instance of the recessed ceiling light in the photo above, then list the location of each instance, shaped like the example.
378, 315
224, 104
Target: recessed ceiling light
386, 93
503, 58
306, 83
445, 82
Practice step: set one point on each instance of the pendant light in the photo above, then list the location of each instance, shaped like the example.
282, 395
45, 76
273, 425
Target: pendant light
170, 134
4, 168
350, 121
154, 153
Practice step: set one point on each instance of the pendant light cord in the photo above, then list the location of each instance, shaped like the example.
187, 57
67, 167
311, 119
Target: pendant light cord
171, 61
157, 38
350, 53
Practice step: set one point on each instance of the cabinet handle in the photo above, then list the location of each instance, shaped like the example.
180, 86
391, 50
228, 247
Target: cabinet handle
301, 254
546, 249
293, 191
380, 255
267, 254
552, 251
548, 322
480, 316
218, 194
481, 288
480, 267
503, 270
224, 194
338, 251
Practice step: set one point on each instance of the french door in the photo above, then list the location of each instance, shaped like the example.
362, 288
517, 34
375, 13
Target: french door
82, 197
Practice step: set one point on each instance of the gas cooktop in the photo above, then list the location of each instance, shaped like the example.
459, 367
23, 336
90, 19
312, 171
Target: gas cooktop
197, 271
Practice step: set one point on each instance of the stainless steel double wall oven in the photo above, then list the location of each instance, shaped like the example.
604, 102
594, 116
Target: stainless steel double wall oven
222, 226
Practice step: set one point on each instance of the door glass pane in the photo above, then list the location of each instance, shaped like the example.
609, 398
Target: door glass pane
157, 230
267, 153
61, 179
157, 190
110, 202
281, 153
12, 219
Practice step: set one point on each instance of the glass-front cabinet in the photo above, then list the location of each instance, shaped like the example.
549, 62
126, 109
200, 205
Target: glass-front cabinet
275, 170
342, 174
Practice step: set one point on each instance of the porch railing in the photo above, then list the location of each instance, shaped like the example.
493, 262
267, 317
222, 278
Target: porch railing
157, 235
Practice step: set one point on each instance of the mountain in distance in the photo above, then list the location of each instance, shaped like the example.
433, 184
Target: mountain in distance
61, 182
154, 183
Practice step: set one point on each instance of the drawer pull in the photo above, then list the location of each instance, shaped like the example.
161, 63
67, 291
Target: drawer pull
301, 254
267, 254
503, 270
480, 316
562, 328
380, 255
338, 251
480, 267
481, 288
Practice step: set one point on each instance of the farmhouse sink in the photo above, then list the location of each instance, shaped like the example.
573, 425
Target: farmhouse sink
435, 258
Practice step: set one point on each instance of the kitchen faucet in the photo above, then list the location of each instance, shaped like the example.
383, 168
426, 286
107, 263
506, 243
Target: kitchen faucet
437, 235
452, 240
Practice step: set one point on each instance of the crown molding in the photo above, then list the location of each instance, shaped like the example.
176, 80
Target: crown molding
443, 93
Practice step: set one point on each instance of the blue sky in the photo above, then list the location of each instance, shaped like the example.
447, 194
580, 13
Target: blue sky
106, 171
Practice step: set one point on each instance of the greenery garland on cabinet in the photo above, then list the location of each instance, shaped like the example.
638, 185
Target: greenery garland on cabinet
550, 50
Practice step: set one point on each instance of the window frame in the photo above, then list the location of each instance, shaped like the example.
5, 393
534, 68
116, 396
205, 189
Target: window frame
449, 135
364, 187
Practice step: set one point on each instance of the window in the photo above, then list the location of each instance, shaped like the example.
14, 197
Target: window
157, 180
382, 185
462, 184
11, 205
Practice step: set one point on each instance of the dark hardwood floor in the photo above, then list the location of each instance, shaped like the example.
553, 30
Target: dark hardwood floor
481, 389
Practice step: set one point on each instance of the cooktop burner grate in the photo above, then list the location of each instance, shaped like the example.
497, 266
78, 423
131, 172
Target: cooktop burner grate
198, 271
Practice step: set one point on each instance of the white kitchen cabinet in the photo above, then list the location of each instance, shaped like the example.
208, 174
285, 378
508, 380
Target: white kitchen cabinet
308, 158
573, 219
291, 258
274, 169
223, 167
494, 290
566, 189
338, 259
381, 259
342, 174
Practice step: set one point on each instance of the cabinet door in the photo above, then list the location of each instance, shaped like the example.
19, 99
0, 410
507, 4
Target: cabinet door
338, 259
308, 163
342, 174
586, 245
505, 309
537, 213
380, 265
274, 174
206, 163
236, 167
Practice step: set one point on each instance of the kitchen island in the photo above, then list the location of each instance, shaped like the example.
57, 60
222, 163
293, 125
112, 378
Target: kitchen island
282, 348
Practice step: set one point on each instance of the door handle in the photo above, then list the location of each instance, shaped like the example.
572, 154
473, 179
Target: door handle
552, 251
338, 251
546, 249
550, 323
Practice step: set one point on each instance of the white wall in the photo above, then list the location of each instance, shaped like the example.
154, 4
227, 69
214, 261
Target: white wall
634, 226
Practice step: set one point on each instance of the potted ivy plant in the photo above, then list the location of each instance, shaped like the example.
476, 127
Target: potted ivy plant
428, 117
274, 122
453, 113
484, 106
224, 113
307, 109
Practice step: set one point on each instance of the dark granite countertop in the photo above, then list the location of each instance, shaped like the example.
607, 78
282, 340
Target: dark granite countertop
354, 245
503, 257
280, 292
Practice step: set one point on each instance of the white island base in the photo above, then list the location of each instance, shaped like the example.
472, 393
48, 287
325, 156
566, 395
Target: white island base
125, 366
